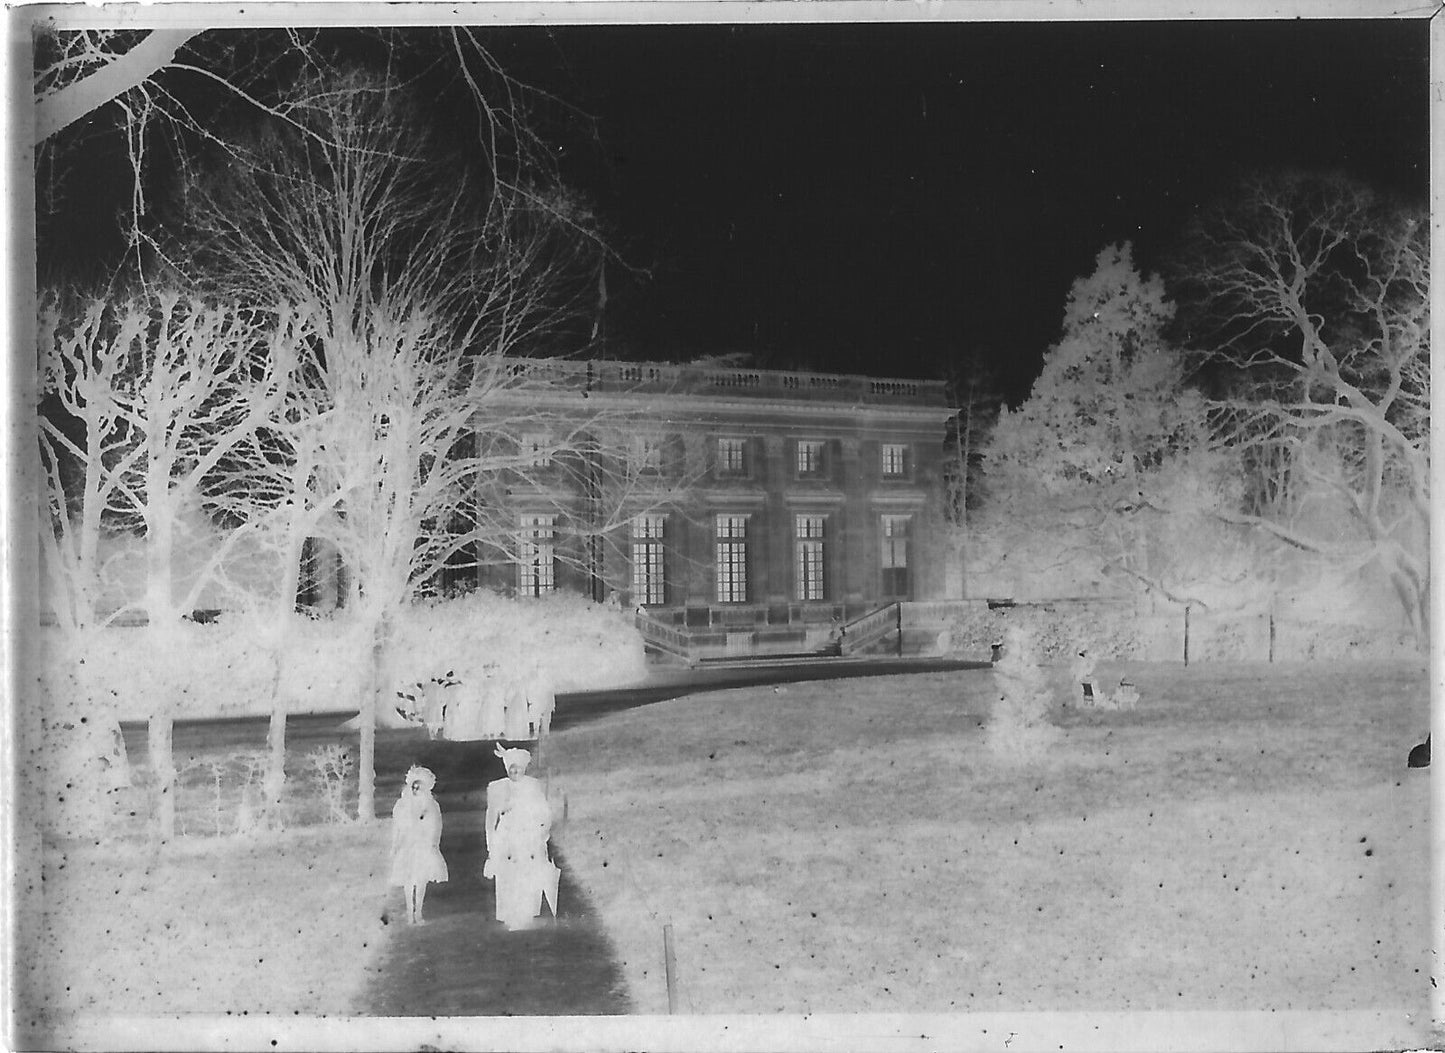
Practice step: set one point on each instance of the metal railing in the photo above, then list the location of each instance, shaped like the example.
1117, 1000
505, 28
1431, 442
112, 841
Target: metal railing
665, 638
866, 631
856, 637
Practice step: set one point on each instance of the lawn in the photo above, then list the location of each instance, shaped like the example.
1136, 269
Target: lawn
277, 925
1247, 838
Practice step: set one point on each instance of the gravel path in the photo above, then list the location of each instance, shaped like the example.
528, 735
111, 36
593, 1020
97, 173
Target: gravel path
463, 962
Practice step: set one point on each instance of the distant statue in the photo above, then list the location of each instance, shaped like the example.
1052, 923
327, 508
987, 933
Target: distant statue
541, 701
416, 837
492, 714
519, 822
1081, 670
1127, 697
513, 689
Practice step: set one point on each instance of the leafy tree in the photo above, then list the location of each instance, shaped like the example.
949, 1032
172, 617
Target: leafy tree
1311, 294
1087, 461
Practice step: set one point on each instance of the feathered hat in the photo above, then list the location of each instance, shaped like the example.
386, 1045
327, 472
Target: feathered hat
513, 756
416, 773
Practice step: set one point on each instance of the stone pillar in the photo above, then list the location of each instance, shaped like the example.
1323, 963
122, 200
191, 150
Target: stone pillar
852, 534
695, 535
693, 530
694, 457
775, 532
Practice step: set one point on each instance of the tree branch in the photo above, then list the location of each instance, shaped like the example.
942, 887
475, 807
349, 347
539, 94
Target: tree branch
64, 107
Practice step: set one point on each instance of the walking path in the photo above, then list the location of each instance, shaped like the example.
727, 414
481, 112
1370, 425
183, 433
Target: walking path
463, 962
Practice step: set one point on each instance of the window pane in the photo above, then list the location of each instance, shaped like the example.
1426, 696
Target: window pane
894, 560
648, 560
536, 556
808, 557
895, 457
810, 457
731, 556
536, 450
731, 458
895, 541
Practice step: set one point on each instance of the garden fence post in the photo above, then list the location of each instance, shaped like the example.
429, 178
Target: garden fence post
1186, 635
670, 963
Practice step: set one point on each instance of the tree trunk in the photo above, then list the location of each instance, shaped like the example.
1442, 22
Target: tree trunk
366, 769
160, 618
163, 768
274, 784
112, 80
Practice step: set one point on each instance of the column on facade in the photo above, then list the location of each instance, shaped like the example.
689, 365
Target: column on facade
852, 530
776, 539
693, 534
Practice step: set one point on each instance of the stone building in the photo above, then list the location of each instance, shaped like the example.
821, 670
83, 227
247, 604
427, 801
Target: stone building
770, 509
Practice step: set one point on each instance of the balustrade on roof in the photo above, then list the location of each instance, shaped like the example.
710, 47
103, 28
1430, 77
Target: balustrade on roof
666, 378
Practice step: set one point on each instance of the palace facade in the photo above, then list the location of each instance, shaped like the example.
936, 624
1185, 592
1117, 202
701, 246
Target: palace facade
773, 509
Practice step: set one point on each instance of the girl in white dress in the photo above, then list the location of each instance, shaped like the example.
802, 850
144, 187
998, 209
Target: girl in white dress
416, 836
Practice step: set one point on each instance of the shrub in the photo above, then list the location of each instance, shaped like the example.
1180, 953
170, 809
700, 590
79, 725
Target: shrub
234, 797
579, 644
1018, 729
332, 765
227, 667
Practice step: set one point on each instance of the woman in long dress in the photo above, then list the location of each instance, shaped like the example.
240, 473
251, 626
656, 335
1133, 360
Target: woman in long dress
519, 822
492, 718
416, 837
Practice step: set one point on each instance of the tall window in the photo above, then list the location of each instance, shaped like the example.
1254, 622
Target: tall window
895, 555
647, 560
895, 459
732, 456
808, 565
732, 559
537, 556
810, 457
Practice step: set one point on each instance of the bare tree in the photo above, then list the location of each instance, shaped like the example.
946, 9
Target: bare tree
421, 283
86, 452
974, 392
160, 390
1316, 292
79, 71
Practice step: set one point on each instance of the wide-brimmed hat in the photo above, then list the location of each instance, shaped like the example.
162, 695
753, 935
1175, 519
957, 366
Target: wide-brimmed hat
513, 756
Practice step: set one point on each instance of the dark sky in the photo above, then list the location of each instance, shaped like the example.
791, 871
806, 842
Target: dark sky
880, 198
885, 198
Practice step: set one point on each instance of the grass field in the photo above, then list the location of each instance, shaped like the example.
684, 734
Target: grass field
1247, 838
280, 925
